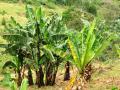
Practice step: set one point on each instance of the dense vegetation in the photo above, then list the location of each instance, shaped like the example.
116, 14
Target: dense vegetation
46, 36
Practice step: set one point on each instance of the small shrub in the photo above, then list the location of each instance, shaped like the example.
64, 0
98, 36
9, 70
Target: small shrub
114, 88
73, 18
3, 21
3, 12
91, 8
6, 80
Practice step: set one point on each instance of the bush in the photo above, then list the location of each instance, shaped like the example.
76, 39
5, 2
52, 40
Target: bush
91, 8
73, 18
105, 29
3, 21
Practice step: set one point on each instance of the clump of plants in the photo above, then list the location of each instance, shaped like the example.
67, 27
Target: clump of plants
85, 46
24, 85
43, 43
38, 46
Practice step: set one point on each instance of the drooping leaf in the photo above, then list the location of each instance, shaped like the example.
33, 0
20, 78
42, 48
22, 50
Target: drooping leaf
9, 64
48, 53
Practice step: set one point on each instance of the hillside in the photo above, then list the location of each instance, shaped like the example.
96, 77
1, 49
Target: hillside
71, 42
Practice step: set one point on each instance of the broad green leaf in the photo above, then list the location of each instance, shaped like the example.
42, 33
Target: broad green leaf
74, 53
48, 53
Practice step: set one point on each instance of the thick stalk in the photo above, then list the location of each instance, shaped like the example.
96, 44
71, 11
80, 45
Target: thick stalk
19, 78
54, 75
30, 78
86, 74
39, 78
40, 72
49, 73
20, 65
67, 71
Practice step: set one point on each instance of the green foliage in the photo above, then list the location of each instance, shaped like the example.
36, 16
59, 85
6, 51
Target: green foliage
6, 80
10, 1
117, 47
3, 21
50, 35
114, 88
88, 5
103, 30
15, 64
91, 6
88, 47
115, 26
3, 59
64, 2
23, 86
3, 12
73, 18
9, 64
13, 86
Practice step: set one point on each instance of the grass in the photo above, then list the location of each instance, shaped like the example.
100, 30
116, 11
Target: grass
109, 10
106, 76
18, 11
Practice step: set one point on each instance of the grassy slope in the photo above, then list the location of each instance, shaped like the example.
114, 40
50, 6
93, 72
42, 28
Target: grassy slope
105, 77
109, 10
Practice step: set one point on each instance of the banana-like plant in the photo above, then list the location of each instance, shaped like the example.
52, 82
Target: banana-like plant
85, 46
16, 65
37, 34
49, 32
55, 35
52, 58
18, 38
